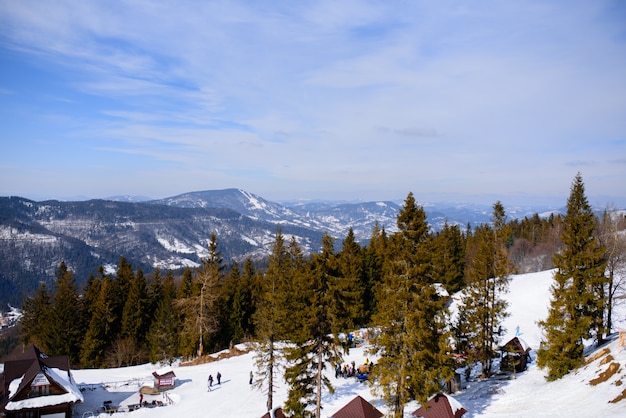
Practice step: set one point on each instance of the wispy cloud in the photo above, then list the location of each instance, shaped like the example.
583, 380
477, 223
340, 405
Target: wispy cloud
324, 97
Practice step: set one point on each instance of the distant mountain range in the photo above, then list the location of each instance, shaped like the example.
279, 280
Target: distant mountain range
173, 233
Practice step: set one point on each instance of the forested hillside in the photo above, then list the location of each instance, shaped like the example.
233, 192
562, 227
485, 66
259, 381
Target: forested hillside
398, 283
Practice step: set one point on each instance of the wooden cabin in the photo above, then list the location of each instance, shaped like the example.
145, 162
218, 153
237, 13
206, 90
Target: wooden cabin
515, 355
35, 384
164, 379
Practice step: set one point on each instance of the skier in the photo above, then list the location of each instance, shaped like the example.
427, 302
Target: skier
219, 377
251, 377
210, 381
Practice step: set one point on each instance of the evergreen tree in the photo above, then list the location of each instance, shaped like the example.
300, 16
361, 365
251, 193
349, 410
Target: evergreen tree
154, 293
314, 345
135, 320
268, 318
412, 345
66, 322
449, 258
483, 305
35, 327
374, 255
350, 284
102, 327
577, 304
185, 289
163, 334
199, 310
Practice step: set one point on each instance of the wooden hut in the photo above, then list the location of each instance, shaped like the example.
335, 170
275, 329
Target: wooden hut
358, 408
440, 406
35, 384
515, 355
164, 379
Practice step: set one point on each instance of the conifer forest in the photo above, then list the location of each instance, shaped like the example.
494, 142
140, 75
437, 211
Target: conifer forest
294, 306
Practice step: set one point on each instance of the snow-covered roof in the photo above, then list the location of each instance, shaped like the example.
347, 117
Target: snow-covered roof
32, 366
59, 376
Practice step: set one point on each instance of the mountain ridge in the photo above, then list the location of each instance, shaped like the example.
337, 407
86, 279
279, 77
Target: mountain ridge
173, 233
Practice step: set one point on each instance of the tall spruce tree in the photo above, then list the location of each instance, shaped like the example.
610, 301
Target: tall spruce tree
349, 284
484, 306
102, 327
66, 322
578, 298
34, 326
269, 318
162, 336
314, 343
412, 345
134, 314
374, 255
449, 257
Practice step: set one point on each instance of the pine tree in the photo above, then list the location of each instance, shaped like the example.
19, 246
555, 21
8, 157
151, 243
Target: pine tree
313, 342
236, 306
185, 289
199, 311
374, 255
35, 328
102, 327
135, 321
350, 284
268, 318
66, 322
449, 258
578, 299
483, 305
163, 334
412, 345
154, 293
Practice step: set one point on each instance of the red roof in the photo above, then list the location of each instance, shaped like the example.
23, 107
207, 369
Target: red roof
358, 408
439, 407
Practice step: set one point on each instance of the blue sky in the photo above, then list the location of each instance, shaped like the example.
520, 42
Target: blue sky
470, 101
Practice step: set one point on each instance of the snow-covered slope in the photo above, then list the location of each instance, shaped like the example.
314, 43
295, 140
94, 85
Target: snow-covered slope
528, 395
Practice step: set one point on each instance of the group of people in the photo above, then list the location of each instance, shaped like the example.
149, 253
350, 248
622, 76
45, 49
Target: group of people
210, 382
350, 370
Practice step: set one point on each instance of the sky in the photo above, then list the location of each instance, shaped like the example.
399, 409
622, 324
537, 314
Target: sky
465, 101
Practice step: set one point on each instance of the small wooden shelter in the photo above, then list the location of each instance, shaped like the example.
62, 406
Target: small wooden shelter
164, 379
35, 384
440, 406
358, 408
515, 355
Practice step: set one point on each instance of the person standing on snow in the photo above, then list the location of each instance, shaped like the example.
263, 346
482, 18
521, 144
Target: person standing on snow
210, 382
219, 377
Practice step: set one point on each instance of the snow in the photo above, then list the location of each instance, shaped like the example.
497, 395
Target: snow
528, 394
455, 405
61, 377
14, 385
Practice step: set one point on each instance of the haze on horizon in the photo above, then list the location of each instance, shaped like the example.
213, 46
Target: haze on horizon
465, 101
